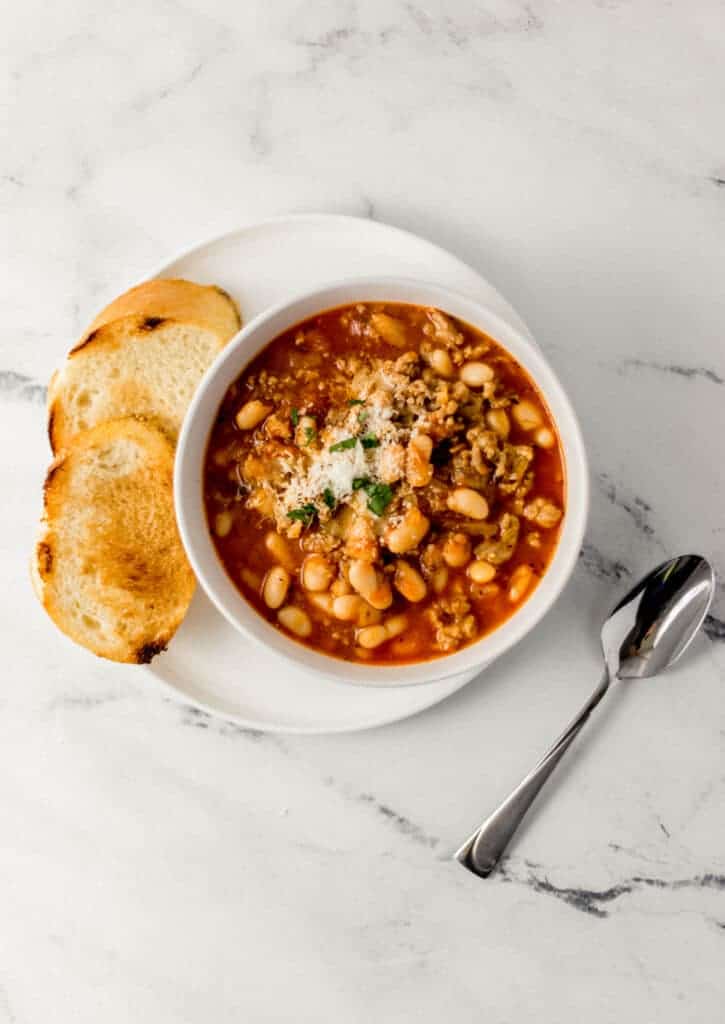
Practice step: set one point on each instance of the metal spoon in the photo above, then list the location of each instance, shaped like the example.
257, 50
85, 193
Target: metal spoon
646, 633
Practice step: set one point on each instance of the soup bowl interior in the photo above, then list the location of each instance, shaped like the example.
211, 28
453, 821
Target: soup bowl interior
189, 470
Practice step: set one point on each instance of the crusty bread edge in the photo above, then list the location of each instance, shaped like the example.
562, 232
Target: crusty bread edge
148, 321
150, 303
145, 325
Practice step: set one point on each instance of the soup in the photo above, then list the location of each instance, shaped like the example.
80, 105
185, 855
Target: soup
384, 483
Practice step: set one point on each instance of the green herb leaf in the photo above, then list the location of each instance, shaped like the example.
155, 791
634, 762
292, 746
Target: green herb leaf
362, 417
379, 497
329, 498
295, 416
304, 515
361, 481
341, 446
310, 434
369, 441
355, 401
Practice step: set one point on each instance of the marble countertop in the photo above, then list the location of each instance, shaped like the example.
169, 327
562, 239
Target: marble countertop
160, 865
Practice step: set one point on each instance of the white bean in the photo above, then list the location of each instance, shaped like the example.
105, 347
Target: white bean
441, 362
222, 523
498, 421
544, 438
278, 548
467, 502
251, 414
372, 636
368, 583
481, 572
381, 597
322, 601
409, 532
456, 550
316, 573
526, 415
521, 579
409, 582
347, 607
362, 575
390, 329
295, 620
340, 587
395, 626
275, 587
475, 375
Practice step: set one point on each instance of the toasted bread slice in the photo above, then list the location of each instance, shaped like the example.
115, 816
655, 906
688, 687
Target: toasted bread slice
175, 299
134, 366
109, 567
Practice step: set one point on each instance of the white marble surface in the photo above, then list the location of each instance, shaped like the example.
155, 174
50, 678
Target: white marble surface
157, 865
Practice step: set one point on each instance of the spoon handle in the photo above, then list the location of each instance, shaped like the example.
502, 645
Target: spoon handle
481, 852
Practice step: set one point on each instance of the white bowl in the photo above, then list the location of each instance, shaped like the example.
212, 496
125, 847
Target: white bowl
194, 437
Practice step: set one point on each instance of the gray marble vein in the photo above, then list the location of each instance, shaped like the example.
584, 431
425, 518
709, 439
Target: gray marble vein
144, 103
197, 719
85, 701
12, 179
398, 821
596, 901
602, 566
19, 385
635, 506
715, 628
689, 372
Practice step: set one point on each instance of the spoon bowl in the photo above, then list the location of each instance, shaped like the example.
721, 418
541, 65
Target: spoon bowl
654, 624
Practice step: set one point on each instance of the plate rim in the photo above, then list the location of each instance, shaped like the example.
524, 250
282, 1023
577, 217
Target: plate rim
350, 220
455, 683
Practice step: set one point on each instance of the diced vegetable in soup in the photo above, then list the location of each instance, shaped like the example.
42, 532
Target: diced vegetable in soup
384, 483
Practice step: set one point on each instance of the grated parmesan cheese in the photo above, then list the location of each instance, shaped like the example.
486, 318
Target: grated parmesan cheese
320, 469
337, 470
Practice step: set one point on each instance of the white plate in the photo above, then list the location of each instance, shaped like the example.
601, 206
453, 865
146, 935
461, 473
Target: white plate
209, 663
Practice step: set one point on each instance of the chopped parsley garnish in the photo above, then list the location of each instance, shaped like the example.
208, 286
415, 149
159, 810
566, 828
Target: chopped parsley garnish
366, 440
310, 434
362, 417
303, 515
355, 401
379, 497
342, 446
329, 498
295, 416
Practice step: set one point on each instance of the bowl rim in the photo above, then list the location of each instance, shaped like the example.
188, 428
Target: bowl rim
230, 363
